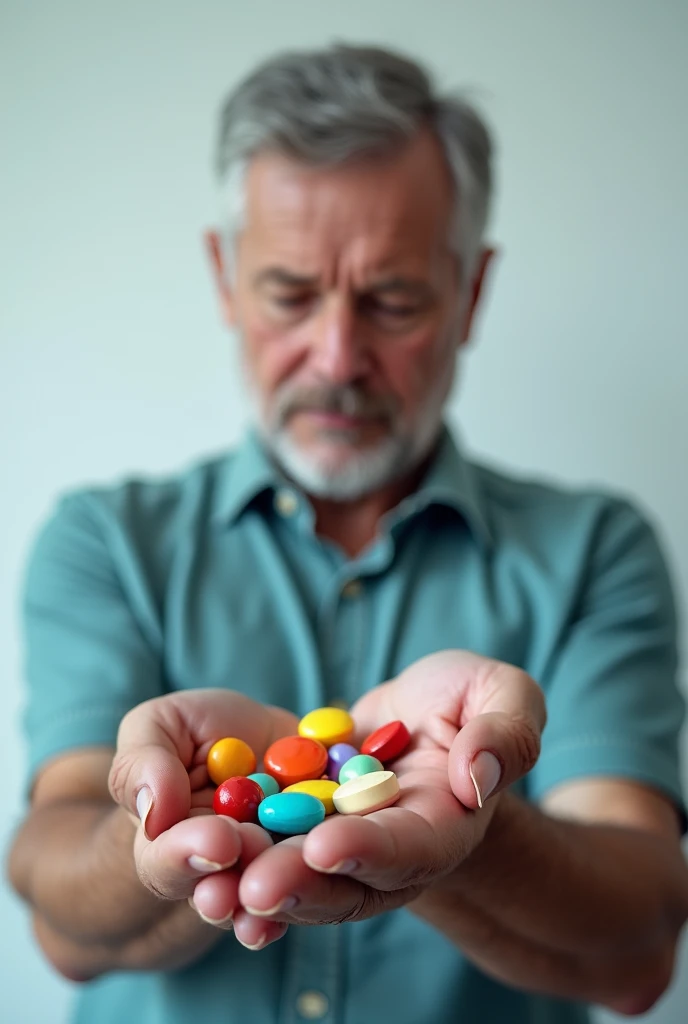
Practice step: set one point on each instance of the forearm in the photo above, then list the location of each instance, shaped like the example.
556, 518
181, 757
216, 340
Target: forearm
575, 910
73, 863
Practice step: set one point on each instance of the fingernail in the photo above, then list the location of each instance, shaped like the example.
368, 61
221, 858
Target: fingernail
288, 903
256, 945
215, 921
144, 802
207, 867
342, 867
485, 771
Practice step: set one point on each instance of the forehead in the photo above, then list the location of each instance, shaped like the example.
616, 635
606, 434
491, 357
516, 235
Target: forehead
373, 213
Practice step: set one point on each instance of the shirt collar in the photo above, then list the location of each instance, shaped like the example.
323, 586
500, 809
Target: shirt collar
450, 481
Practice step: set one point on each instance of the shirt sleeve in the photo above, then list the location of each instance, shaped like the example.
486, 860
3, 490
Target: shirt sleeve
613, 701
88, 656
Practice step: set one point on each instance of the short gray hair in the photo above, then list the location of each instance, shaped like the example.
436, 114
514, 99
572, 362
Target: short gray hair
328, 106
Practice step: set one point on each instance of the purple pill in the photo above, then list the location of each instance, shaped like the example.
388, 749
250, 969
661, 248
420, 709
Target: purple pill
338, 754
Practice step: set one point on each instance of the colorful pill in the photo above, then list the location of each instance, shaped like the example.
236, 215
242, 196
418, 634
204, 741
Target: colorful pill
229, 757
238, 798
367, 793
321, 789
295, 759
291, 814
338, 755
327, 725
361, 764
266, 782
387, 742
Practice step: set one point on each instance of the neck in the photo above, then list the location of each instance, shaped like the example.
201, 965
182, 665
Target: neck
353, 525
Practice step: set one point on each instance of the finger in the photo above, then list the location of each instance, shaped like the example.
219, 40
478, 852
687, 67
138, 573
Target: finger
172, 864
215, 896
164, 740
280, 886
255, 933
501, 743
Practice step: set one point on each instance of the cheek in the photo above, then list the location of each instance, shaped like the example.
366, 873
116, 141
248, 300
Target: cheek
272, 354
412, 366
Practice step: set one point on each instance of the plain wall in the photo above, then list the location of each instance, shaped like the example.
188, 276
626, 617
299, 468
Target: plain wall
113, 358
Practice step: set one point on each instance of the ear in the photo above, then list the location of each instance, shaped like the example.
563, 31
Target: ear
485, 260
219, 269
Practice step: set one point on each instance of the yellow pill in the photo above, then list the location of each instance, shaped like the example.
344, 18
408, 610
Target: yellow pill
367, 793
229, 757
322, 789
328, 725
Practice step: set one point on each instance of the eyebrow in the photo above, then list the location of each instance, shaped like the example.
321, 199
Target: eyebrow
396, 283
285, 278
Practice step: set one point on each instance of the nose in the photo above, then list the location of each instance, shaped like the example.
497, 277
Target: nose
339, 354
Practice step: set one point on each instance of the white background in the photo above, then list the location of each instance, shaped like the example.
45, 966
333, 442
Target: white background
113, 359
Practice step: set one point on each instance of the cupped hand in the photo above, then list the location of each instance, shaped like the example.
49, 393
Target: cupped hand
182, 849
475, 726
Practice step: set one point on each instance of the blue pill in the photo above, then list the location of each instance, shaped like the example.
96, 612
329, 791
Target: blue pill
266, 782
292, 814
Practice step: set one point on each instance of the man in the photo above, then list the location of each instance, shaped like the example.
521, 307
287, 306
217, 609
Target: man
348, 542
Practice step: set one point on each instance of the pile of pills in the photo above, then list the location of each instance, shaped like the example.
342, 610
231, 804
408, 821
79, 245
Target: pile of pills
308, 776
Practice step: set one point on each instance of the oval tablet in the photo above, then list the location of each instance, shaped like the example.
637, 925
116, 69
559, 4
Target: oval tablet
338, 755
294, 759
238, 798
387, 742
266, 782
229, 757
327, 725
291, 814
367, 793
361, 764
321, 789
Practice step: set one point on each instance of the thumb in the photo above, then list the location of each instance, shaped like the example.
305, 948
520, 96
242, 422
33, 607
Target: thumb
501, 742
148, 777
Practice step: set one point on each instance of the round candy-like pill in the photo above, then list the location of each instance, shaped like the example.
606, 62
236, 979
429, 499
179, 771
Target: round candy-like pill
238, 798
229, 757
266, 782
328, 725
367, 793
338, 755
291, 814
294, 759
361, 764
322, 789
387, 742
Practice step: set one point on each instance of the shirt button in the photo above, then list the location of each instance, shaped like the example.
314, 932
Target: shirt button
312, 1005
286, 503
352, 589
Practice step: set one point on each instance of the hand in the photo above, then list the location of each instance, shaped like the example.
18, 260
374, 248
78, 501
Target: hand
456, 705
182, 849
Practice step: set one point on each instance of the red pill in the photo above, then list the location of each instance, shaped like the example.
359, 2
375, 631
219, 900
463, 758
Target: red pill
238, 798
387, 742
295, 759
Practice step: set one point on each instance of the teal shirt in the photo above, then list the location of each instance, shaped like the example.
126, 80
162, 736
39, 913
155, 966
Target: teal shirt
215, 578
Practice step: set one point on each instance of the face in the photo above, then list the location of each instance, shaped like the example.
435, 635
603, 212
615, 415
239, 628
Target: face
350, 307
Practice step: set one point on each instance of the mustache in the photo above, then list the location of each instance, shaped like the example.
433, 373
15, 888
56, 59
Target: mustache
346, 400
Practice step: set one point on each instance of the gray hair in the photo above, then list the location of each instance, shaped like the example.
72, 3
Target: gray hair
328, 106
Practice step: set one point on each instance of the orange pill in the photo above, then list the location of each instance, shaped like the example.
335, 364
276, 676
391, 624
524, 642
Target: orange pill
295, 759
229, 757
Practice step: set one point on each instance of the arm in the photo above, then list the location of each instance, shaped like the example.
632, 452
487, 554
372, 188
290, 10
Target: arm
587, 909
73, 861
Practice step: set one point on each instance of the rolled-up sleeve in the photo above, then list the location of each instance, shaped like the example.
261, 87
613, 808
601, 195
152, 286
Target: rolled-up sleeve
88, 659
613, 699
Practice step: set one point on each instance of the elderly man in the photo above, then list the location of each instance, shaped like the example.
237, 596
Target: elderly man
348, 541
